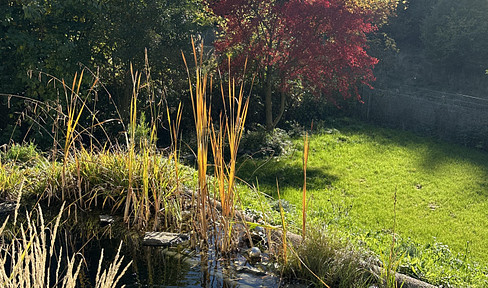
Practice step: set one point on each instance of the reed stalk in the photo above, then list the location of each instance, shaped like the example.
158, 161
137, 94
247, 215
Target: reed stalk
304, 194
131, 198
174, 129
144, 204
202, 120
73, 117
231, 125
217, 142
237, 108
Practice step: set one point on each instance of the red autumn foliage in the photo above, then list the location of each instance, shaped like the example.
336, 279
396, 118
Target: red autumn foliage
321, 43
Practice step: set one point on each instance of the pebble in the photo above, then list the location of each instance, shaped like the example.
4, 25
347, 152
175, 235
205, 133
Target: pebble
255, 254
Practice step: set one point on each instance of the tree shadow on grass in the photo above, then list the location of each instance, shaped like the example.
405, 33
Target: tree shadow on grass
435, 154
435, 158
267, 172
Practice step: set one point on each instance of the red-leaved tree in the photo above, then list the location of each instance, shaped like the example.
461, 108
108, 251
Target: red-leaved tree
318, 44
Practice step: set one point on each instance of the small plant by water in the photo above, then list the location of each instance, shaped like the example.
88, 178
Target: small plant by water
324, 259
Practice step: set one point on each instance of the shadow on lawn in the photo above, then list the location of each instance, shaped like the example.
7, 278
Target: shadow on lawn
434, 154
288, 176
434, 159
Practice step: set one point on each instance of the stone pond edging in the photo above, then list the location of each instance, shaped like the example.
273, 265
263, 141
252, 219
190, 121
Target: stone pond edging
296, 240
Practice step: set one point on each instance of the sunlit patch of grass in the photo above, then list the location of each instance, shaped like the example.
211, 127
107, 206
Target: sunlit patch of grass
21, 154
106, 180
11, 178
442, 188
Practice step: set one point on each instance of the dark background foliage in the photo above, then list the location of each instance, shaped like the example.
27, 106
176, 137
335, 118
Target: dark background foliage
435, 44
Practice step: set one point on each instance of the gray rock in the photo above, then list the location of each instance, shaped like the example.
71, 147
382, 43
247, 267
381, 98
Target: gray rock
106, 219
7, 207
259, 230
164, 239
250, 270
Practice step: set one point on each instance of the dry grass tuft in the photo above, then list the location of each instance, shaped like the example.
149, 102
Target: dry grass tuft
29, 260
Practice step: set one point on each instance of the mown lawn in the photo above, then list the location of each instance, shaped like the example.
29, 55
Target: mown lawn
353, 173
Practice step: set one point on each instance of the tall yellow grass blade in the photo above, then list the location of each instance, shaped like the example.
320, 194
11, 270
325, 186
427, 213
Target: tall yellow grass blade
304, 195
282, 214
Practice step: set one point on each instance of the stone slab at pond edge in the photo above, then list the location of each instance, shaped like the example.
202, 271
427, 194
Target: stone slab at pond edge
164, 239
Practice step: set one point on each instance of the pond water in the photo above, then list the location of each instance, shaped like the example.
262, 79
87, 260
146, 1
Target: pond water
151, 266
177, 267
167, 267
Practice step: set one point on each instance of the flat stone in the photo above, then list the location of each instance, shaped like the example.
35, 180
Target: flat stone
7, 207
164, 239
250, 270
106, 219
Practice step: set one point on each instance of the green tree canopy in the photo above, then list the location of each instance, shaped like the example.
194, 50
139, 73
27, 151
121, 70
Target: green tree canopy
454, 34
57, 37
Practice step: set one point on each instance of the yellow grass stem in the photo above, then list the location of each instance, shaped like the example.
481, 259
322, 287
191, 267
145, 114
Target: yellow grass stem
282, 213
111, 276
28, 260
217, 142
174, 129
202, 119
306, 267
144, 212
304, 195
235, 128
131, 197
231, 126
73, 118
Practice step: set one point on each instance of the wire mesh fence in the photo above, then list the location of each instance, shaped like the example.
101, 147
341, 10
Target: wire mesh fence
449, 116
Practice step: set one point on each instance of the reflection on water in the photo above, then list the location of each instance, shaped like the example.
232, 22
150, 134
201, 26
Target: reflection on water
174, 267
159, 267
180, 266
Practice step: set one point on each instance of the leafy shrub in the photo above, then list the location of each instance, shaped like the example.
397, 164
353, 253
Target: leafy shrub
263, 143
21, 153
286, 205
142, 132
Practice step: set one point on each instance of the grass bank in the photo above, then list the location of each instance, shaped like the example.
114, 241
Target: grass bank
353, 173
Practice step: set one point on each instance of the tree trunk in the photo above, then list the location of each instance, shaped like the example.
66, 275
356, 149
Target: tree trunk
282, 109
268, 103
270, 122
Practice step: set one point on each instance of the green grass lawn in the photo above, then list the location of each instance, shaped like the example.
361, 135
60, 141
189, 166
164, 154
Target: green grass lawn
353, 173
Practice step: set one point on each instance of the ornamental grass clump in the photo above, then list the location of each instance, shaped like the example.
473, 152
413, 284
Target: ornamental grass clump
229, 131
32, 258
324, 259
201, 114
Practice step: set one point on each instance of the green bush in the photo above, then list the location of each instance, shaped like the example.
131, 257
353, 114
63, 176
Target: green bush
260, 142
21, 153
